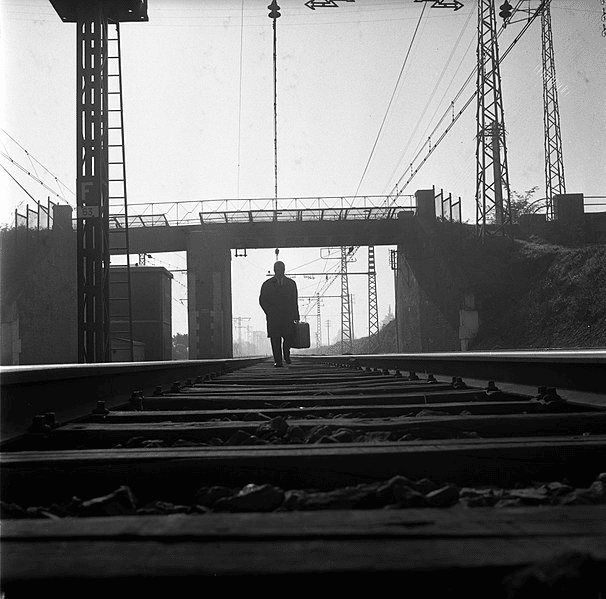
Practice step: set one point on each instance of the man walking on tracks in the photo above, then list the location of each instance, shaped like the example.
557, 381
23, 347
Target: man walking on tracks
279, 300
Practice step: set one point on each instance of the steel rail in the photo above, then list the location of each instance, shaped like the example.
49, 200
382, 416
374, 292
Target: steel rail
72, 390
43, 373
579, 370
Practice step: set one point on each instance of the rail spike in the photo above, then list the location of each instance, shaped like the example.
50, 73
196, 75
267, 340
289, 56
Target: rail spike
136, 400
39, 424
457, 383
100, 410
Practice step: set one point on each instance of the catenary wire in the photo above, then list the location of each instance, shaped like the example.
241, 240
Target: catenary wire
392, 98
31, 157
436, 86
398, 188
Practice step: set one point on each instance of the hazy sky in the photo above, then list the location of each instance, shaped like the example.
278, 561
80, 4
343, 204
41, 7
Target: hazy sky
198, 108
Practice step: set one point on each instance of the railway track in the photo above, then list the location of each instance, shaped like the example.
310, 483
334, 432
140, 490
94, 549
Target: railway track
445, 473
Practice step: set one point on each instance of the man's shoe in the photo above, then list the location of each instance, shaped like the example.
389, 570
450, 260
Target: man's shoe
278, 365
287, 360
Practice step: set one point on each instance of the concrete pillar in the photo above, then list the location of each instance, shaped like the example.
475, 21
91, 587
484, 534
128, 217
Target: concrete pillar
568, 207
426, 205
426, 302
569, 219
209, 297
62, 217
408, 307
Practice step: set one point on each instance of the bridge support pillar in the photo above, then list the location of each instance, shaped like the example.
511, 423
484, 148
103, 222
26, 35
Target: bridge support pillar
209, 297
429, 293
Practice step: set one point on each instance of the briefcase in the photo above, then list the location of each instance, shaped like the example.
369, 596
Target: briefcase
301, 337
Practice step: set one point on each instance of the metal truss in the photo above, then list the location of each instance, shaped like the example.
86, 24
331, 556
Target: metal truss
554, 161
318, 322
92, 186
373, 312
93, 161
346, 336
493, 206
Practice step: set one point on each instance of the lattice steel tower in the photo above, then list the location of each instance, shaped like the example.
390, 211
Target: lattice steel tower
493, 206
346, 340
92, 179
373, 311
318, 322
554, 161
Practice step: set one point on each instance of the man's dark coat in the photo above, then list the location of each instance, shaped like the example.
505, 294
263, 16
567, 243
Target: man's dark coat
280, 304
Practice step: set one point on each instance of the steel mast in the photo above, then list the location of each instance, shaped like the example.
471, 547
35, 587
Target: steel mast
554, 161
373, 310
346, 340
92, 168
493, 206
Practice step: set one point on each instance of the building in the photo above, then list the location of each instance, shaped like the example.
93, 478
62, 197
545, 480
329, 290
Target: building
151, 308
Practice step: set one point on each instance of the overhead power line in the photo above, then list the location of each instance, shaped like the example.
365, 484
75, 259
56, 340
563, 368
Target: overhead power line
17, 182
34, 175
395, 89
436, 87
398, 187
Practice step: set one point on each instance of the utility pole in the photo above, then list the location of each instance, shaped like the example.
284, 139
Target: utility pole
493, 205
554, 161
274, 14
373, 311
240, 326
328, 333
318, 299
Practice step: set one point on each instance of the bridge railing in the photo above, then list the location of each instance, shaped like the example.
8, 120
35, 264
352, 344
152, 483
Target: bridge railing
196, 212
448, 209
37, 218
310, 214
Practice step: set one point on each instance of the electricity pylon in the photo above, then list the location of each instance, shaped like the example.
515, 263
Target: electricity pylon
554, 161
493, 206
346, 337
373, 310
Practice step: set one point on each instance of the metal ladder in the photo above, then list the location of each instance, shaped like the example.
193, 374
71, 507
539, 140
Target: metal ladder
121, 310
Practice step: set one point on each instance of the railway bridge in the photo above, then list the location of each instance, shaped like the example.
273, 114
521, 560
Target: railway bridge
209, 238
435, 284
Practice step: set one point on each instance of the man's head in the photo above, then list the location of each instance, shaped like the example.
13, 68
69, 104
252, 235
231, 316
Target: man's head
279, 268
